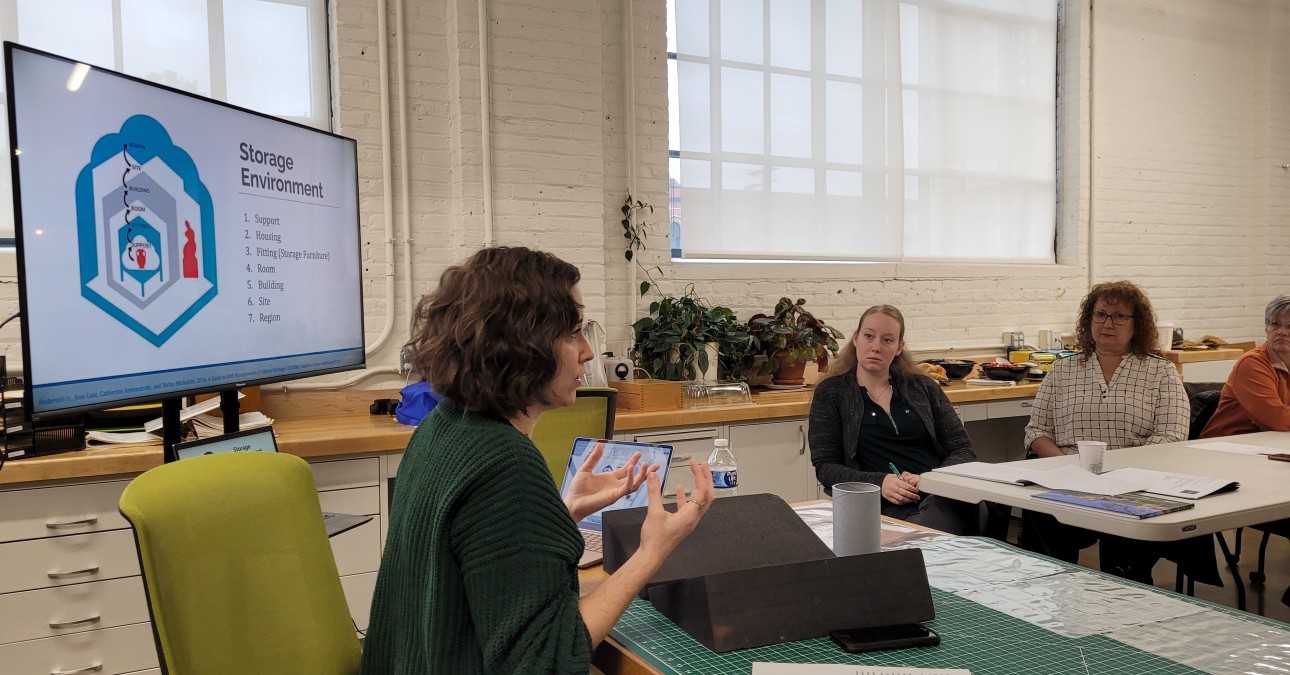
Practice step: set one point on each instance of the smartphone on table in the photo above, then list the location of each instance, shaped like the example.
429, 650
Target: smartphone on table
885, 637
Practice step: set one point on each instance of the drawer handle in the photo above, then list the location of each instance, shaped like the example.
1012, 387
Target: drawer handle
87, 669
73, 523
77, 573
72, 624
681, 460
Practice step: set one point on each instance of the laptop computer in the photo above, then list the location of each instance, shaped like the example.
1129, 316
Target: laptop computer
614, 457
261, 439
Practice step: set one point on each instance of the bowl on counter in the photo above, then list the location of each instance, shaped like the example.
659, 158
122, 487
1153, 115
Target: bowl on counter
999, 371
955, 369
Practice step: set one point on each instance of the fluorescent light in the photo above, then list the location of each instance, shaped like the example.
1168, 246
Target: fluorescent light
79, 71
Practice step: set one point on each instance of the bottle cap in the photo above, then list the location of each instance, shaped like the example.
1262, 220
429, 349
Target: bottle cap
720, 442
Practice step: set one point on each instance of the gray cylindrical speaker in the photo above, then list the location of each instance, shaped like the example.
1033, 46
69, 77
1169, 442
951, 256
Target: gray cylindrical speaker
857, 516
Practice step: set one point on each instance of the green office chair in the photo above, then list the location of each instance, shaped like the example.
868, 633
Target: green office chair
590, 416
237, 568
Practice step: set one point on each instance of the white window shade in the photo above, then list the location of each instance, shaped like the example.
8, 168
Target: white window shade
865, 129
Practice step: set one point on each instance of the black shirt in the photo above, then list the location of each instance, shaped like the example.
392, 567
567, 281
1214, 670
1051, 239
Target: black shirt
898, 438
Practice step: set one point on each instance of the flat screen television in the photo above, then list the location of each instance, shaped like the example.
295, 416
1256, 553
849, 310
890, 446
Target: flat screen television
170, 244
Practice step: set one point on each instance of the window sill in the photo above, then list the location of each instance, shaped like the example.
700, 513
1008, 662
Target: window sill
715, 270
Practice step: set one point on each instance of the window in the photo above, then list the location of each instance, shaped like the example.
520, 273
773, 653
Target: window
266, 55
863, 129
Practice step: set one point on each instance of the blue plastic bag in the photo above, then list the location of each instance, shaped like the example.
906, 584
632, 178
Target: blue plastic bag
419, 398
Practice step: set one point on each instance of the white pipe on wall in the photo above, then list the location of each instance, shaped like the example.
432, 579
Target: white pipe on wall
485, 112
629, 25
387, 199
1092, 155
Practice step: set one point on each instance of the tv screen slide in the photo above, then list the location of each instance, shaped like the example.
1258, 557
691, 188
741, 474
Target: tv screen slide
170, 244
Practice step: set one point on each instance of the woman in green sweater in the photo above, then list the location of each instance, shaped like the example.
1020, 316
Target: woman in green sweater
479, 573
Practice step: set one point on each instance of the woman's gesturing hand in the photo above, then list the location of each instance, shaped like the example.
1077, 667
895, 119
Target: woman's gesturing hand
590, 491
898, 490
663, 529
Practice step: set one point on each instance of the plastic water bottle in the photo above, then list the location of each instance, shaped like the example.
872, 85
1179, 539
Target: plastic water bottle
725, 471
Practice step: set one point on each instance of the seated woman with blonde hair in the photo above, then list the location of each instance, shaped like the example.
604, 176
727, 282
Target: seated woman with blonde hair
875, 419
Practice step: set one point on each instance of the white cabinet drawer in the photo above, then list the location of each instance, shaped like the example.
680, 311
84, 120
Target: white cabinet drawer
59, 561
47, 612
358, 501
358, 594
123, 649
1015, 408
972, 412
346, 473
358, 550
69, 509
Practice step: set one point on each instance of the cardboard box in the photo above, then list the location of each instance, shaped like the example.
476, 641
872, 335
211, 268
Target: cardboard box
648, 395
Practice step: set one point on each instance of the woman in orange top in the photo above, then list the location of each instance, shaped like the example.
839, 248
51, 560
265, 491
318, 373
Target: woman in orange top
1256, 396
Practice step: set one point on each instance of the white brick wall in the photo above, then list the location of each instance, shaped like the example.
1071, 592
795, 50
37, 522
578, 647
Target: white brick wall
1185, 104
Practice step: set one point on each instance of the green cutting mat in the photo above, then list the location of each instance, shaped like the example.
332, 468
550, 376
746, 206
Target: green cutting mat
973, 636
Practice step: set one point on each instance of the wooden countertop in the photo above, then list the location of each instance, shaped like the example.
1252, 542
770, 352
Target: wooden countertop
350, 433
778, 404
1180, 356
309, 437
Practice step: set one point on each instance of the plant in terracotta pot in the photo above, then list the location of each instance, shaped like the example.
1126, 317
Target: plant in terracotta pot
793, 337
672, 343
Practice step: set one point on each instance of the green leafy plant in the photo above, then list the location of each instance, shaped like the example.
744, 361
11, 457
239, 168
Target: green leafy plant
796, 330
671, 343
635, 231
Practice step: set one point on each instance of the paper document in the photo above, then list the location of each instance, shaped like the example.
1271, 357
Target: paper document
95, 439
1169, 484
1237, 448
1065, 477
189, 412
838, 669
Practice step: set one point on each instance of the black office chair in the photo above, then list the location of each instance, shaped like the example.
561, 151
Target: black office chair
1195, 556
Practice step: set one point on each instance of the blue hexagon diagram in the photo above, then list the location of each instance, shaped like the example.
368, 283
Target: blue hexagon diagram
145, 229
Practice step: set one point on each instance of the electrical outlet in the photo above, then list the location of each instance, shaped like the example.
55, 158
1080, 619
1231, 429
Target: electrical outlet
405, 362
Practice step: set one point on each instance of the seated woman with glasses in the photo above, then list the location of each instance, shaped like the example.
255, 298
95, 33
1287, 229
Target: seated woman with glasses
1256, 396
1119, 390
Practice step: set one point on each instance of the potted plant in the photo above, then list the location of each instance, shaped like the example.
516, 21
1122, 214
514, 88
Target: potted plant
791, 337
672, 343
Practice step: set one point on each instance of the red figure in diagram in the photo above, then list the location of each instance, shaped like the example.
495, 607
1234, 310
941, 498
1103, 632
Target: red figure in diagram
140, 256
190, 252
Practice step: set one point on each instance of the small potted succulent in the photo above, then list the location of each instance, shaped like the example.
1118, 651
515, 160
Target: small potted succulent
791, 337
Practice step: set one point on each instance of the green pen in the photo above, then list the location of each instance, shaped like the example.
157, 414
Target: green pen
892, 466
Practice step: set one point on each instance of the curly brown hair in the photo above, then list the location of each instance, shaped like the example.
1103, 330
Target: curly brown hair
1127, 294
486, 337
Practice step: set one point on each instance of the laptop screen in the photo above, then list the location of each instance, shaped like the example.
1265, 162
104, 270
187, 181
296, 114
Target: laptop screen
259, 439
614, 457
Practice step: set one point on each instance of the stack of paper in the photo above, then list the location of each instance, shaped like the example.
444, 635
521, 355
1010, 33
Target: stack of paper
1119, 481
210, 425
95, 439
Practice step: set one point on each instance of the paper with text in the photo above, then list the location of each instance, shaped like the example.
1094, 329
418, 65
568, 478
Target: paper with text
1169, 484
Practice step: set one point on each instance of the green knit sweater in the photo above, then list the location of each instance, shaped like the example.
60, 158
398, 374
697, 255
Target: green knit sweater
479, 573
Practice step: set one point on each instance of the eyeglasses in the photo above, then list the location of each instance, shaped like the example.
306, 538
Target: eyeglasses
1118, 318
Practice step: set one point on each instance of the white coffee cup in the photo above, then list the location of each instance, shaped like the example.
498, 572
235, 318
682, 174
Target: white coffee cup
1165, 335
1090, 455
